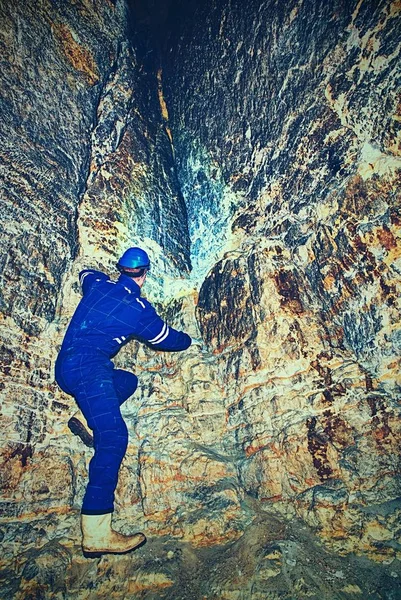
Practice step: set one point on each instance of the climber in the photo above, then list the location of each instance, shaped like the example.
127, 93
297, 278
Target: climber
109, 315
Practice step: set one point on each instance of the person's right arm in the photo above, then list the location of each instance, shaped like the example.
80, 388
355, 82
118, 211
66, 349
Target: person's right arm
159, 335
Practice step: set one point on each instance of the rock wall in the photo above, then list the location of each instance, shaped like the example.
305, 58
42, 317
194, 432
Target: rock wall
56, 61
254, 151
87, 170
292, 114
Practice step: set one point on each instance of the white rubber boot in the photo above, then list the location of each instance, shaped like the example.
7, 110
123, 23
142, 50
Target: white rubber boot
99, 538
78, 426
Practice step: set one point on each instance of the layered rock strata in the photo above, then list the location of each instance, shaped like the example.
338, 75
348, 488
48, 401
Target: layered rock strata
259, 164
56, 60
293, 114
87, 166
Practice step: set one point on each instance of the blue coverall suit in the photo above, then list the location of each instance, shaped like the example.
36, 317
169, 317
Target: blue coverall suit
108, 316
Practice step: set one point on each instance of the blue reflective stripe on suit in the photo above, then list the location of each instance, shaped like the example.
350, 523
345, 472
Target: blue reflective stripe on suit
108, 316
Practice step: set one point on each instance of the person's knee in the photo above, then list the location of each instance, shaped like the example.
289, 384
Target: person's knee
130, 385
125, 384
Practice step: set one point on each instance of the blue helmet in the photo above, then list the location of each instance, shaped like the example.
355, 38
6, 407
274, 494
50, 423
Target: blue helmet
134, 258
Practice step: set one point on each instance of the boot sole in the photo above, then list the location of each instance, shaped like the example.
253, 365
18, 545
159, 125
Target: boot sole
78, 429
99, 553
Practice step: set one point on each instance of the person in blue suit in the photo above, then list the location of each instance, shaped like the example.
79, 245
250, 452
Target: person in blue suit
109, 315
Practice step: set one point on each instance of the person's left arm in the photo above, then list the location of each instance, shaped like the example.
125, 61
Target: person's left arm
87, 278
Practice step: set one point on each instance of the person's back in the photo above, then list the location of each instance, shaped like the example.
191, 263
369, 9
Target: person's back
113, 312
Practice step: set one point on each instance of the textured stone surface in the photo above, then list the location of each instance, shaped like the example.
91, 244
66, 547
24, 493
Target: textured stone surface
257, 158
296, 112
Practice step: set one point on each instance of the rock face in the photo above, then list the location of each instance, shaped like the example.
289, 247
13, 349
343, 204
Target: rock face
293, 114
254, 150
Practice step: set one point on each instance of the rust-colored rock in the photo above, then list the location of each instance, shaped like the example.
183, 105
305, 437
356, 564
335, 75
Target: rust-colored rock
257, 159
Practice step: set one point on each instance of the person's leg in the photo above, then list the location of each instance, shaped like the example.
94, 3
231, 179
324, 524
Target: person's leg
100, 406
93, 387
97, 398
125, 384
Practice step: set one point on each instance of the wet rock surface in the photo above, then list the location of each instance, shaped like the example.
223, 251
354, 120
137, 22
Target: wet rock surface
254, 151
